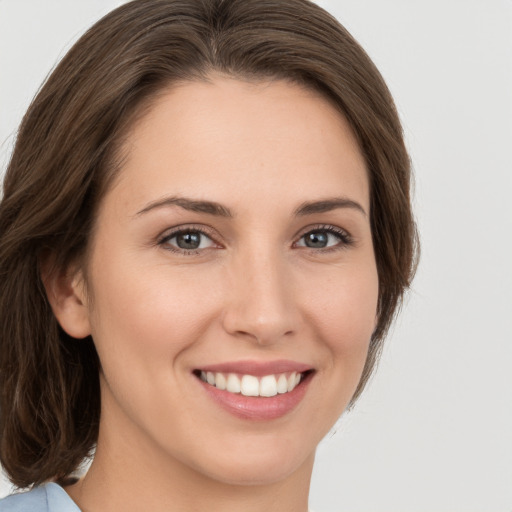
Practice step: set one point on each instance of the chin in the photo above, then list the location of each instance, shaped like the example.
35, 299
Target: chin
259, 463
259, 473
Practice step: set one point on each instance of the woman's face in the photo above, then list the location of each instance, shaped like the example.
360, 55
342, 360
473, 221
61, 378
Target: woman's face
235, 247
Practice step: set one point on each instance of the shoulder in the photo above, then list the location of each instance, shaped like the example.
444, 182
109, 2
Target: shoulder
34, 500
47, 498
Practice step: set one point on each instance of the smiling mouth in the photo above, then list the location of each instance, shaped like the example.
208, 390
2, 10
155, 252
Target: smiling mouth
251, 385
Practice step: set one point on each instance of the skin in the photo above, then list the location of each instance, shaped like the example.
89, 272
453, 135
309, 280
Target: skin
253, 291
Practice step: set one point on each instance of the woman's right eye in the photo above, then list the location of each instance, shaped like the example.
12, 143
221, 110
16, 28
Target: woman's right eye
187, 241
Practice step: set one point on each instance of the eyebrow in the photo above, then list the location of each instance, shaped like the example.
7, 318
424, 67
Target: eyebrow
327, 205
217, 209
192, 205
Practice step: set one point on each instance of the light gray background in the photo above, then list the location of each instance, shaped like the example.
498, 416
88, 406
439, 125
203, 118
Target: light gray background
434, 431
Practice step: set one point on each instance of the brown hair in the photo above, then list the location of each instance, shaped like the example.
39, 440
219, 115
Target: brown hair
65, 157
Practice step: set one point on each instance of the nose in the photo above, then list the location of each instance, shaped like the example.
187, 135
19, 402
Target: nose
260, 306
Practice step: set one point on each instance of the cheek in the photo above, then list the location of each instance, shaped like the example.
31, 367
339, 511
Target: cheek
150, 314
343, 312
345, 305
144, 324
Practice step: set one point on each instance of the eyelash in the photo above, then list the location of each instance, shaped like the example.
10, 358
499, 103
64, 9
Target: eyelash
345, 239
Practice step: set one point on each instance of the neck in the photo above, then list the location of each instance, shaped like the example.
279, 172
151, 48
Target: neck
132, 476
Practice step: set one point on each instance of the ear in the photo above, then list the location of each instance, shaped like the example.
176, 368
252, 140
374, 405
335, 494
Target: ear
66, 293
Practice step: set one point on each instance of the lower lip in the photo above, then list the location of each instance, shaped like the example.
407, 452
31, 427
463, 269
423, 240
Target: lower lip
258, 408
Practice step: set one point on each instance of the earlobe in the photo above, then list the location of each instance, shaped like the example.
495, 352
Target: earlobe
67, 296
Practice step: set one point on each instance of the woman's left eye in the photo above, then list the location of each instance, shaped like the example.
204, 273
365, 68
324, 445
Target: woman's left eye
187, 240
324, 238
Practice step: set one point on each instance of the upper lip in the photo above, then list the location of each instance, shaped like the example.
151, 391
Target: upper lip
257, 368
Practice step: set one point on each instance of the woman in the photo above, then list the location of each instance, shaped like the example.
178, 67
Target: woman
206, 231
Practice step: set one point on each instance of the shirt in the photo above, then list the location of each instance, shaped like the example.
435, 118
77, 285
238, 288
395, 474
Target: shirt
47, 498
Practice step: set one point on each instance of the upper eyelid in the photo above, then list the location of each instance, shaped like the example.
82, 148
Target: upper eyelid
323, 227
176, 230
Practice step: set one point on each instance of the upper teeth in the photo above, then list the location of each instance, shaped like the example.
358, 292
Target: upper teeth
249, 385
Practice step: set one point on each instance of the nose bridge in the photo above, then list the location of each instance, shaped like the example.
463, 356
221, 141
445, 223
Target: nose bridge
261, 302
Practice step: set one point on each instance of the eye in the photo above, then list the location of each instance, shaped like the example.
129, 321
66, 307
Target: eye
326, 237
187, 240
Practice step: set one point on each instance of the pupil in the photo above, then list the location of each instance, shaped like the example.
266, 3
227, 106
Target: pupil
316, 240
188, 240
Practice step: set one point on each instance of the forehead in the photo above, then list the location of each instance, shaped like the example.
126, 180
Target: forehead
232, 140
